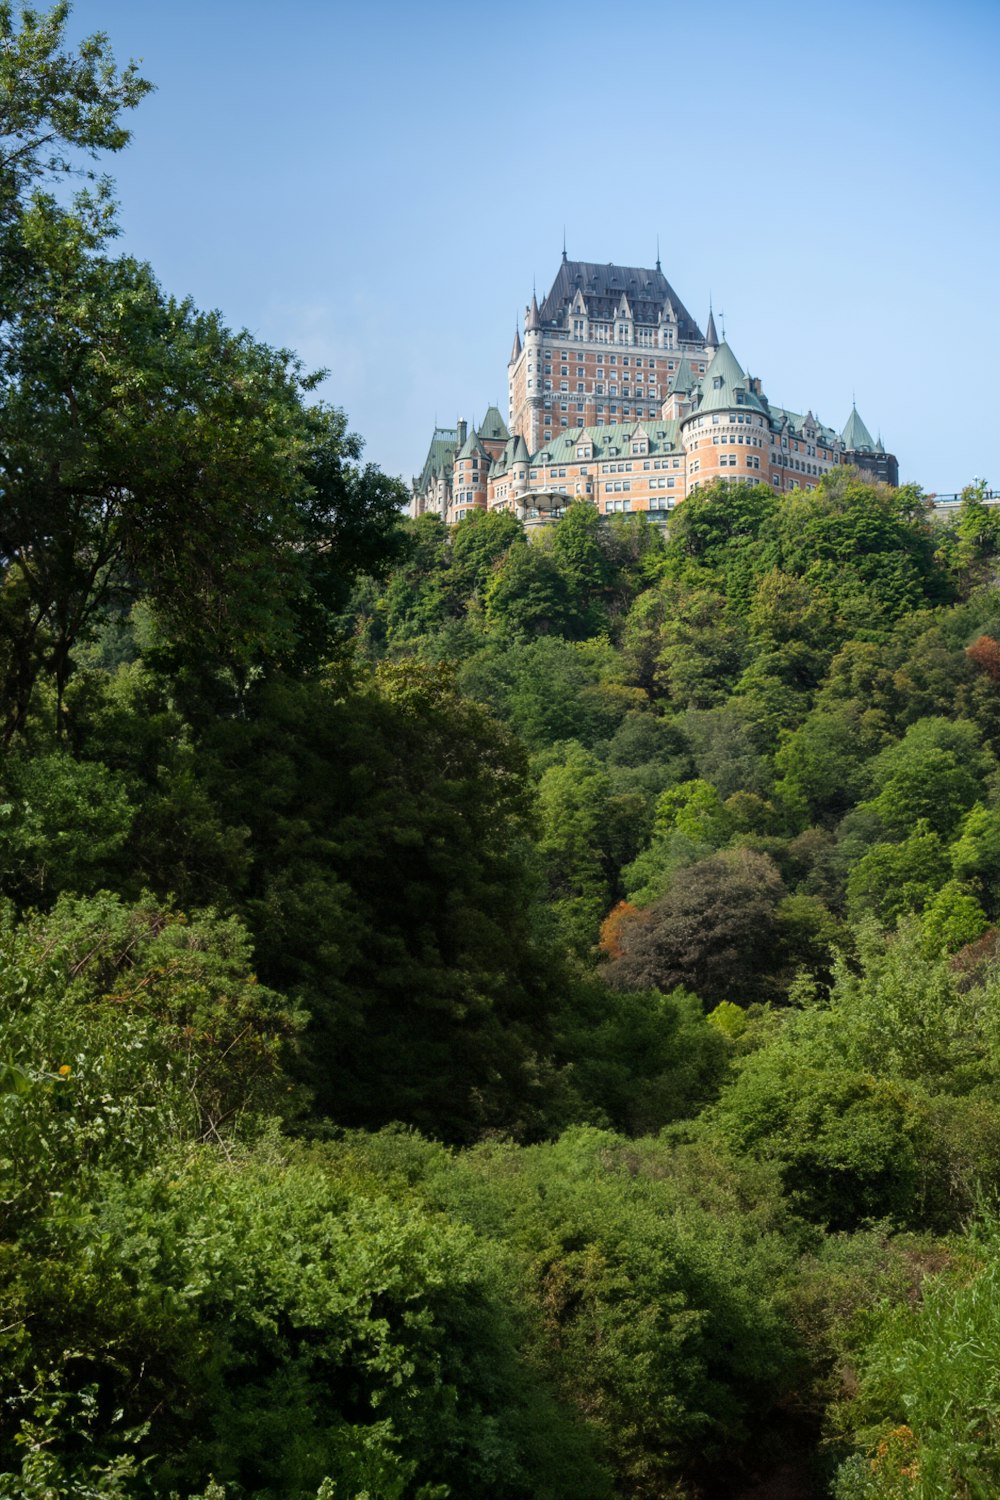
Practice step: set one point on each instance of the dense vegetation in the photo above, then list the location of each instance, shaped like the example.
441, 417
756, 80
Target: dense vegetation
478, 1017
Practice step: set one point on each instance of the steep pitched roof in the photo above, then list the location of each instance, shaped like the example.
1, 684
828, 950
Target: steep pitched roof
472, 447
682, 379
493, 425
724, 384
440, 454
515, 353
603, 287
856, 435
711, 337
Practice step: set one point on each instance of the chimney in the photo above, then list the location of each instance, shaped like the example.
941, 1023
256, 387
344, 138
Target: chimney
463, 431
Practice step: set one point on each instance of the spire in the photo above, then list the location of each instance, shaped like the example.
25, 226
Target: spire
515, 353
532, 322
658, 266
564, 244
856, 435
683, 380
711, 337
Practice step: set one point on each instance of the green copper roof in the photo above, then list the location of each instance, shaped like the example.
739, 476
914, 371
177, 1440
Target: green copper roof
795, 422
856, 435
724, 385
440, 454
472, 447
493, 425
662, 438
682, 379
510, 455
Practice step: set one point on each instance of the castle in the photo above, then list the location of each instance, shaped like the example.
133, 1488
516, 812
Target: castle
616, 396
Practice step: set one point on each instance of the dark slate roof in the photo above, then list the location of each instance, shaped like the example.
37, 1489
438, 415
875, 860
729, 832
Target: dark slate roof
602, 288
711, 337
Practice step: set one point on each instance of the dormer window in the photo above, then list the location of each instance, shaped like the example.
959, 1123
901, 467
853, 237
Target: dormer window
717, 382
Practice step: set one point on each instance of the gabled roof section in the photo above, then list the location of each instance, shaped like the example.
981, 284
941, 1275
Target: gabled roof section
856, 435
603, 287
440, 454
561, 450
724, 385
493, 425
782, 418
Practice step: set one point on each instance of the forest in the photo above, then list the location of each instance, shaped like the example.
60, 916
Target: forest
480, 1018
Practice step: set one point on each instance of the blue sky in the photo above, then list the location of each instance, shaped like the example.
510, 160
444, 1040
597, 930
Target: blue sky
377, 185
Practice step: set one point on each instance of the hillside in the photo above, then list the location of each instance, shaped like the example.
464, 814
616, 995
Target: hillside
478, 1016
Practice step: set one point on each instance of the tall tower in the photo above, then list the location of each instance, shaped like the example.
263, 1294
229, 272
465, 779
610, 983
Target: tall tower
602, 349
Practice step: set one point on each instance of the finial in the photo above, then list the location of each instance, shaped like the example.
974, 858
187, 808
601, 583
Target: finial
658, 266
722, 320
564, 244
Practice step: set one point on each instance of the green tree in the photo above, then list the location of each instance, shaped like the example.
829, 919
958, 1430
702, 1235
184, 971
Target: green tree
892, 879
585, 564
573, 797
975, 854
713, 932
936, 773
58, 105
953, 918
478, 545
528, 595
820, 767
396, 896
695, 809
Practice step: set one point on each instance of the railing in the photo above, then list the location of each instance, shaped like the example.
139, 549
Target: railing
951, 502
